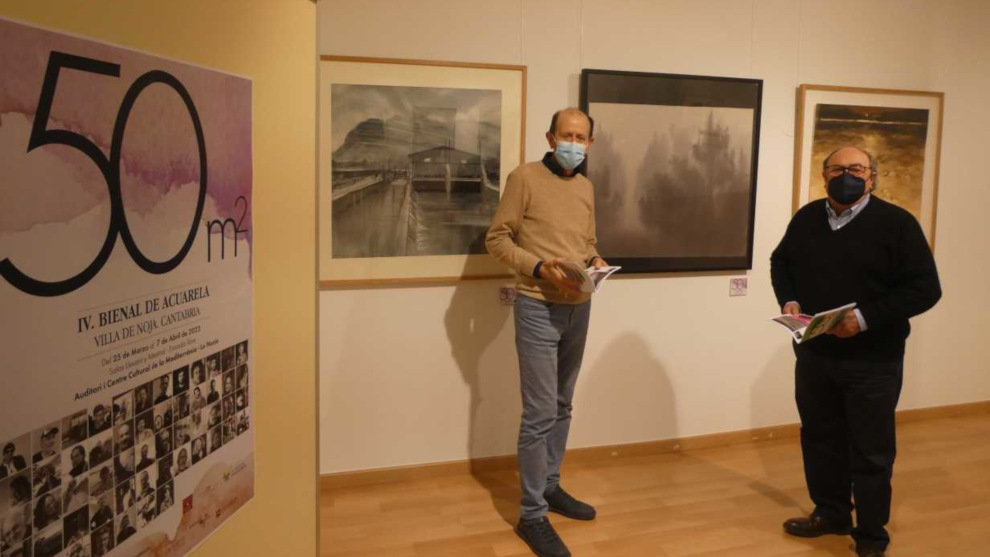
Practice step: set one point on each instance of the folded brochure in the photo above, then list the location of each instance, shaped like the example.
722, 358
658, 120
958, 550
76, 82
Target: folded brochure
591, 279
805, 327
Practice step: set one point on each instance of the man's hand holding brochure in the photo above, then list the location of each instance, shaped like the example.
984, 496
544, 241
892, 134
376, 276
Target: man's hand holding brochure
805, 327
590, 279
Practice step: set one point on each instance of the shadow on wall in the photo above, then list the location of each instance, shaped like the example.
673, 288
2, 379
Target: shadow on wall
625, 396
481, 342
772, 403
772, 395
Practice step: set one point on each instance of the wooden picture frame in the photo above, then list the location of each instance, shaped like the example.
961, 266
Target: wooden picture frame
413, 157
902, 129
674, 165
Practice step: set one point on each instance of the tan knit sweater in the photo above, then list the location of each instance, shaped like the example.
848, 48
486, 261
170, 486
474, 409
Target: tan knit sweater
543, 216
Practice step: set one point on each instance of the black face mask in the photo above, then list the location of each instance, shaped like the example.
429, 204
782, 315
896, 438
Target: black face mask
846, 188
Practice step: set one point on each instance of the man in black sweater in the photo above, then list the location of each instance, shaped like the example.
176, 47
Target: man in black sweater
852, 247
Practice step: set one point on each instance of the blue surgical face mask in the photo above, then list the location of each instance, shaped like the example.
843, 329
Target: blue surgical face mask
569, 154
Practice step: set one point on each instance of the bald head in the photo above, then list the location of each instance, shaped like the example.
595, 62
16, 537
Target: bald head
570, 114
851, 152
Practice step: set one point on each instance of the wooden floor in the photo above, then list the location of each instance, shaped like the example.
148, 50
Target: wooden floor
724, 502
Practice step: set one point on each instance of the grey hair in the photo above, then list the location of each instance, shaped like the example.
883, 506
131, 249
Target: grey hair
869, 155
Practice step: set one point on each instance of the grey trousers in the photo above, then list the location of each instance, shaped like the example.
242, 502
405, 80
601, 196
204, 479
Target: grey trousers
550, 342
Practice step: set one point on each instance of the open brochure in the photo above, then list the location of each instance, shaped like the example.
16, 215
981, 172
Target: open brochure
591, 279
805, 327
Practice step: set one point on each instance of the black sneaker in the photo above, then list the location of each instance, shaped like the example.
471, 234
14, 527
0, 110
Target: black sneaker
541, 537
561, 502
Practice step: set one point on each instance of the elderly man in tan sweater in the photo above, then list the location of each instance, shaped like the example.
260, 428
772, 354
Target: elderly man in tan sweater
545, 219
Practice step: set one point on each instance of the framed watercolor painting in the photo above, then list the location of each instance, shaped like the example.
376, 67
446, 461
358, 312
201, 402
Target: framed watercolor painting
902, 129
674, 166
413, 155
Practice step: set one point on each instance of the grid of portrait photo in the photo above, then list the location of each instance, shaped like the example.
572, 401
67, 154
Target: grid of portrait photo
80, 486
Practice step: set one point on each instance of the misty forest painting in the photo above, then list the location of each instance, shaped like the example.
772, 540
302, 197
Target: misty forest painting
670, 181
674, 173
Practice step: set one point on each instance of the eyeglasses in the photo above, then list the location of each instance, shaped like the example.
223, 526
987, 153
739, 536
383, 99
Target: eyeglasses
854, 169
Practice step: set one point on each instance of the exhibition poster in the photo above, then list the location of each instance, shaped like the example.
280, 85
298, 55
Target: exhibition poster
126, 400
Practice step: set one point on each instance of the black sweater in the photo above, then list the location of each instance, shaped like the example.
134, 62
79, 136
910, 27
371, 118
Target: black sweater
880, 260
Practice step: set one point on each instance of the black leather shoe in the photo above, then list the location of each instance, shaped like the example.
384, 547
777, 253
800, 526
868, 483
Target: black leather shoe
870, 552
540, 536
813, 526
561, 502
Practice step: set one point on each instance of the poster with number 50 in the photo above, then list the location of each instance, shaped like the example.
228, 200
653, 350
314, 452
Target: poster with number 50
126, 351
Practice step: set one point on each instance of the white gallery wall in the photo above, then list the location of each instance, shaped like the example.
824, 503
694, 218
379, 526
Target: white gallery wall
413, 375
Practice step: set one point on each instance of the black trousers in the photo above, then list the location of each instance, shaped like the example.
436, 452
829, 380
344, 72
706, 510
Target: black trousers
848, 440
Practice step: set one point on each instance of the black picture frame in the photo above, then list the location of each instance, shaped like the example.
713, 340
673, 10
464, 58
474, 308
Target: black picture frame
695, 210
